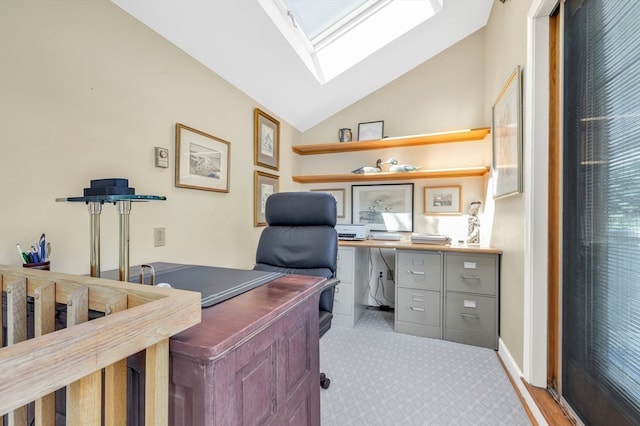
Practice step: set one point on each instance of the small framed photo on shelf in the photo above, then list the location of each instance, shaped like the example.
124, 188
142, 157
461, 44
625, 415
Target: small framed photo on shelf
266, 132
265, 184
202, 160
442, 200
371, 130
338, 194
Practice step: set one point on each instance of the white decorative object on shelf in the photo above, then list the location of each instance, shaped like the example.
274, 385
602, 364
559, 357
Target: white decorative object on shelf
473, 227
395, 167
369, 169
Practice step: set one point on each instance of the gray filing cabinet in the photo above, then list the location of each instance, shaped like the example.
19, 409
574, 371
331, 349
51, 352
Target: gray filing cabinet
419, 293
471, 298
448, 295
349, 299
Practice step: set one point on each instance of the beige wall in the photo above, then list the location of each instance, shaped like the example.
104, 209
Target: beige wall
506, 43
86, 92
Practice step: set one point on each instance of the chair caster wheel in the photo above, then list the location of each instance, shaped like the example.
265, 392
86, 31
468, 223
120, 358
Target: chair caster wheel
324, 381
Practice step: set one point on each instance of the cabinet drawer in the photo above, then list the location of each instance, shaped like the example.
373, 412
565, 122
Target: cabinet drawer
418, 306
418, 270
344, 270
471, 313
343, 299
471, 273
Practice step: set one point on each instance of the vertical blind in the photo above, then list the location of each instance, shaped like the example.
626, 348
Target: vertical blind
601, 211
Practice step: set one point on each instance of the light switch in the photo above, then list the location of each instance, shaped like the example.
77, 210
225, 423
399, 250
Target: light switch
162, 157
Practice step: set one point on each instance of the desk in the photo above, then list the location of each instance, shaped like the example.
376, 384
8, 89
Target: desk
446, 292
254, 359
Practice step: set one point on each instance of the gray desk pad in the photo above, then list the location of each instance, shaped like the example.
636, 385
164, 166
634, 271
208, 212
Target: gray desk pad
215, 284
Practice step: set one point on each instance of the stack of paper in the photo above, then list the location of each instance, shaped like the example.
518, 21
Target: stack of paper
430, 239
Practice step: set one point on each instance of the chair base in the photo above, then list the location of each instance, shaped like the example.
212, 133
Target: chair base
324, 381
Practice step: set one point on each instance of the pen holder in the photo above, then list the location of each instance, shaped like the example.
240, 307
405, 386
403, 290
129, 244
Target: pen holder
41, 265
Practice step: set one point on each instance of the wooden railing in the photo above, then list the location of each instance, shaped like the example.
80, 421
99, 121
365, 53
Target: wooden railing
89, 358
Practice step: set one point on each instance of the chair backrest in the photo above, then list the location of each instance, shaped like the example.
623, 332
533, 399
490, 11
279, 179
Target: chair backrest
300, 237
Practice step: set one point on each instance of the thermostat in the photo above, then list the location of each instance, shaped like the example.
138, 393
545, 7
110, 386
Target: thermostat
162, 157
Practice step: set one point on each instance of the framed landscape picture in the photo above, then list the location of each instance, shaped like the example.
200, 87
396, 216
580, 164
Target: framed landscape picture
442, 200
202, 160
387, 207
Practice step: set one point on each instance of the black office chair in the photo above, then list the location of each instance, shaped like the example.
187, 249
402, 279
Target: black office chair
301, 239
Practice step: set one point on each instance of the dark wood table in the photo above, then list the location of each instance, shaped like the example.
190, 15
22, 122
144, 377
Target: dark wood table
254, 359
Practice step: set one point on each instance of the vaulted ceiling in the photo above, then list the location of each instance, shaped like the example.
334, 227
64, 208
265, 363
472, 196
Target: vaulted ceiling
239, 42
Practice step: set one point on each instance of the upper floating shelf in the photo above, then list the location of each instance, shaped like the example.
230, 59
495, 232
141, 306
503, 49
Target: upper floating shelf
396, 142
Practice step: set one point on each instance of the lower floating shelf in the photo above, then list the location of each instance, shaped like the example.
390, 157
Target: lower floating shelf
383, 176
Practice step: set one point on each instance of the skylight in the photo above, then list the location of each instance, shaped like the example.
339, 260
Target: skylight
331, 36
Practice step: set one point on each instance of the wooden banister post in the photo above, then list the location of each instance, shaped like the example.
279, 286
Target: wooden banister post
115, 378
156, 406
44, 307
84, 396
17, 332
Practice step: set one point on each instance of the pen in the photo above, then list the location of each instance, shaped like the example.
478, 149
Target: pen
41, 248
21, 254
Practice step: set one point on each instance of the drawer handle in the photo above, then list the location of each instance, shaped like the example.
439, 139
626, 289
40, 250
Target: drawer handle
470, 277
470, 316
416, 272
413, 308
417, 298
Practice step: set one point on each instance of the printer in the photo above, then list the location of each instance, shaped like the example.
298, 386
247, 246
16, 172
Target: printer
352, 231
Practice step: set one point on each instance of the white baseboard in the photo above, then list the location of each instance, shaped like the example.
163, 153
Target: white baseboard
516, 376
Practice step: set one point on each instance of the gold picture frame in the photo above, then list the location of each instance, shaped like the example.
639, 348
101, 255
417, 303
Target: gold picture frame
202, 160
506, 131
266, 132
264, 185
443, 200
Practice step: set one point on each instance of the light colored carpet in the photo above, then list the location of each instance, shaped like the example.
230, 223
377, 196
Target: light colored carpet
379, 377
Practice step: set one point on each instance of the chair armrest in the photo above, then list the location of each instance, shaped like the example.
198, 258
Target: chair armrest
331, 282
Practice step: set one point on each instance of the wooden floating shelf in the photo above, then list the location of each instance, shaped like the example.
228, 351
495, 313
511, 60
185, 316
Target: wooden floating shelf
384, 176
397, 142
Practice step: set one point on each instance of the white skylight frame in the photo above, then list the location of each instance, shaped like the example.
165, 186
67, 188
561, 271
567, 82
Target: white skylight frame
352, 38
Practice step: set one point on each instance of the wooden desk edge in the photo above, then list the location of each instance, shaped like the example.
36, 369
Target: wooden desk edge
408, 245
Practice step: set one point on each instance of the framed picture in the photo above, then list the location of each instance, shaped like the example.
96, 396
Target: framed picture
442, 200
338, 194
506, 123
202, 160
265, 184
266, 132
387, 207
370, 131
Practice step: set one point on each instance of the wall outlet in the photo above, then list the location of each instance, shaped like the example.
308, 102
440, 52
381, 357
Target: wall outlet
380, 274
158, 237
